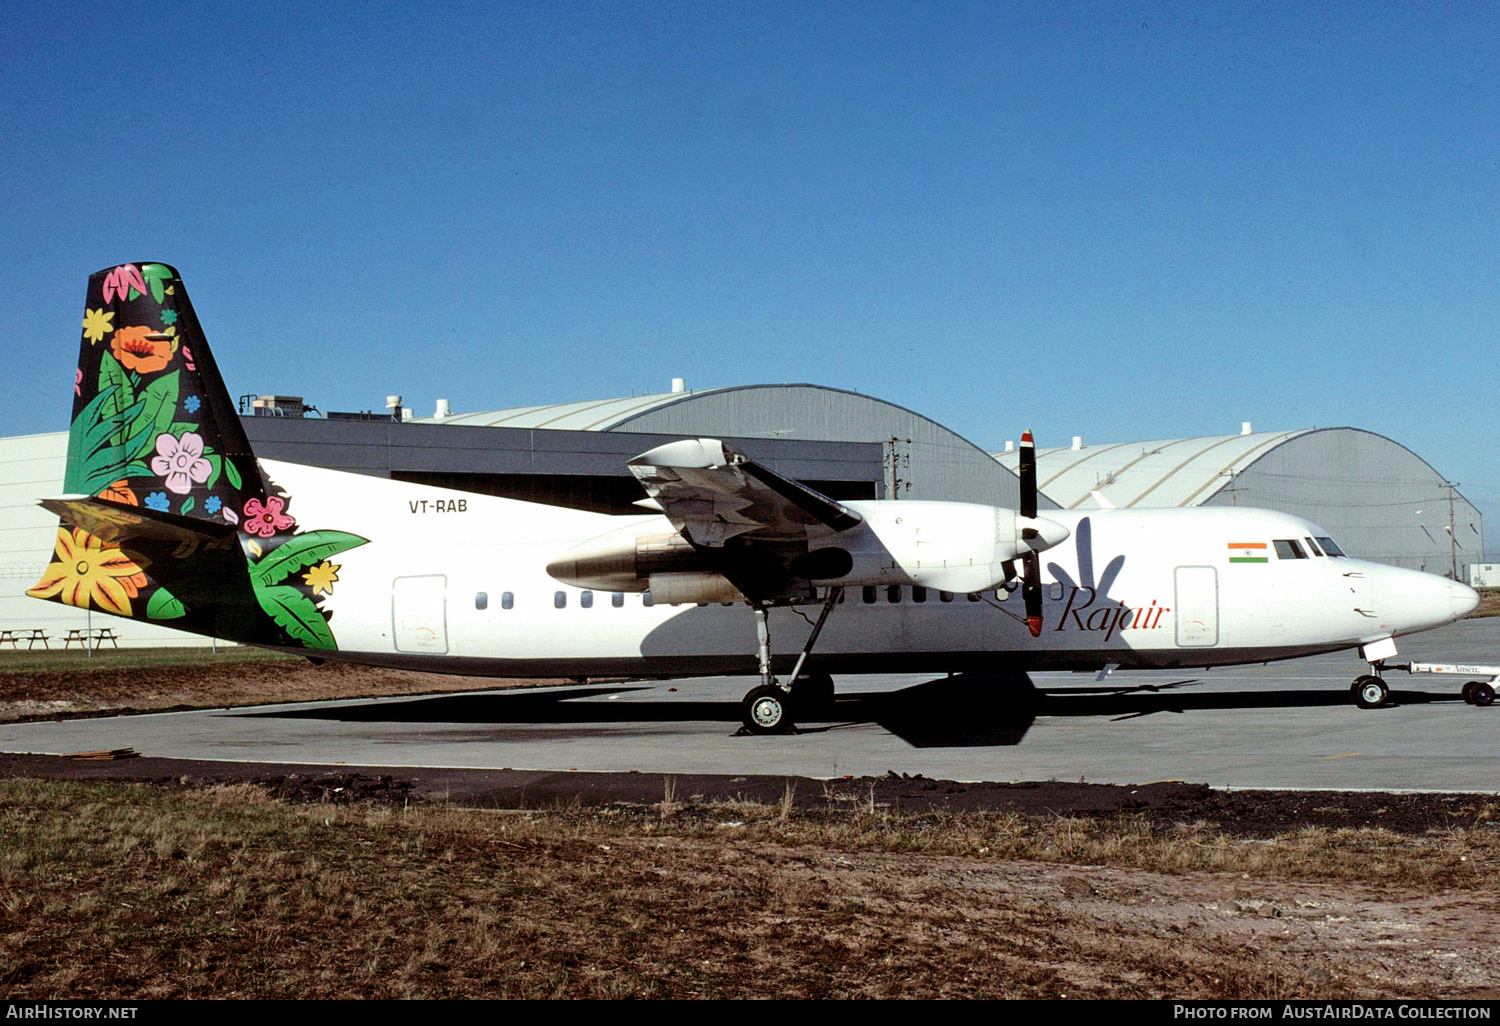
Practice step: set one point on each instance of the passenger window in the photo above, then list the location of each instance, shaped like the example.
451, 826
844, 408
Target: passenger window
507, 600
646, 599
1288, 548
617, 599
945, 596
481, 600
586, 600
918, 593
560, 599
868, 594
974, 596
893, 593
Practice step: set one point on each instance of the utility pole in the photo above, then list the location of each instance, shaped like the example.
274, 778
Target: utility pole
894, 459
1452, 534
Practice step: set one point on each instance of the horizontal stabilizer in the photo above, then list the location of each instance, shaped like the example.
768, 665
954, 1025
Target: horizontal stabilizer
114, 522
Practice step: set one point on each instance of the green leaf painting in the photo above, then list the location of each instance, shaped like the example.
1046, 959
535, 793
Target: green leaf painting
94, 452
296, 614
156, 277
165, 606
153, 415
299, 552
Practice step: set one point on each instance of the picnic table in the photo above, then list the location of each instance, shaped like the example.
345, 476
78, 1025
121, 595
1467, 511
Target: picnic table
30, 635
98, 636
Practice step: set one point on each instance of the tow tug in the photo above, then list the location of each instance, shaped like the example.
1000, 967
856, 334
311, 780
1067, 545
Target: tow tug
1474, 692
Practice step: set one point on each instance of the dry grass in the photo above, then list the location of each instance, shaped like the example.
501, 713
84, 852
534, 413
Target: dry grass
1489, 602
114, 891
42, 685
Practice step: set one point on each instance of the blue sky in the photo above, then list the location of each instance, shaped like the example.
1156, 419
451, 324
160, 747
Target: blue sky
1117, 220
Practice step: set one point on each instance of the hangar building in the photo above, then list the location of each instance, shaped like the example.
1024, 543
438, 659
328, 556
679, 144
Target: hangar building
1378, 499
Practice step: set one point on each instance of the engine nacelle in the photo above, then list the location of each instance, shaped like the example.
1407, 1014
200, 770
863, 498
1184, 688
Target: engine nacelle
693, 587
626, 560
950, 546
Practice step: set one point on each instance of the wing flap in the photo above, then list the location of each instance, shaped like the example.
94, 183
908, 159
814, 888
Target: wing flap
712, 493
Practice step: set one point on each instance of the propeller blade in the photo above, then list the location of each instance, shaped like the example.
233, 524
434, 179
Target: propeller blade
1031, 579
1028, 475
1031, 592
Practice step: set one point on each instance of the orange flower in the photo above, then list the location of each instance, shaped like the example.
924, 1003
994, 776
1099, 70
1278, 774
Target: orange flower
121, 492
138, 351
90, 572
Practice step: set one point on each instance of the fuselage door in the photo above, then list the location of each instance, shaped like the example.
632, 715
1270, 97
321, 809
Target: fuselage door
1197, 607
419, 616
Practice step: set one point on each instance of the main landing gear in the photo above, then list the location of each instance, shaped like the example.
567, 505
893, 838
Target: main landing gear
767, 708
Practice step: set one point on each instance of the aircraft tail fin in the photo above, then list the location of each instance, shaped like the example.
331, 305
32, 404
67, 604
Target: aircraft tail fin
168, 516
153, 424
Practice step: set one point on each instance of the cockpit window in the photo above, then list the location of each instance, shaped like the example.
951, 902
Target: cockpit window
1313, 547
1288, 548
1330, 547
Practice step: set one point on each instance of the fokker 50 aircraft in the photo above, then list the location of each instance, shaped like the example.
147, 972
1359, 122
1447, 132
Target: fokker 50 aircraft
170, 518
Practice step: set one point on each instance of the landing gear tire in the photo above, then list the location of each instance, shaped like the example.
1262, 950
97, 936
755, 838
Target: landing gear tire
765, 710
812, 695
1468, 691
1483, 693
1370, 692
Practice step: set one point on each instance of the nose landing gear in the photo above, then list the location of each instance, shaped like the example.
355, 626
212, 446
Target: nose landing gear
1370, 692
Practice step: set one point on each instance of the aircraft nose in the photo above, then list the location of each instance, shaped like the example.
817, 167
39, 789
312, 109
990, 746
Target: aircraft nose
1465, 599
1415, 600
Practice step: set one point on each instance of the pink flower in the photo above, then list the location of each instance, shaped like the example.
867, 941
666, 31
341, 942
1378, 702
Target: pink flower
268, 519
187, 356
121, 280
78, 382
230, 516
181, 462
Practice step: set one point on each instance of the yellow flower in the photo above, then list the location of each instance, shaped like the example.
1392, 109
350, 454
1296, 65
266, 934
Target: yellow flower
321, 577
90, 572
96, 323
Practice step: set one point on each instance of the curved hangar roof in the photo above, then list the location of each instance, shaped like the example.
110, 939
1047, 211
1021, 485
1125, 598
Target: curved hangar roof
931, 462
1173, 472
1380, 500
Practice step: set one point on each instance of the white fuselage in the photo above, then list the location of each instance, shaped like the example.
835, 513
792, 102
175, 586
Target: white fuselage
455, 581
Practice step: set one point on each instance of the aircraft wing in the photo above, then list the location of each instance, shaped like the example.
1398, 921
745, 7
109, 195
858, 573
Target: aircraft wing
712, 493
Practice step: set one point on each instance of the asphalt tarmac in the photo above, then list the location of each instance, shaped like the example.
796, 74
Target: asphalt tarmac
1281, 725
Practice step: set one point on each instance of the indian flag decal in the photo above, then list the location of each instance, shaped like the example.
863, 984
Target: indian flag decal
1248, 552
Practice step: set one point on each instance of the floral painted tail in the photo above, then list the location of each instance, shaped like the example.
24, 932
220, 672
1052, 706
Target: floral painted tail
168, 517
153, 424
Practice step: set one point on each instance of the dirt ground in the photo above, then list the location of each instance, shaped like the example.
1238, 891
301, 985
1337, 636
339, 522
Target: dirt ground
1335, 938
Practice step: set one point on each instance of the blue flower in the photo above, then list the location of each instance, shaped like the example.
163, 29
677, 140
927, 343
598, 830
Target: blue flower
213, 504
168, 318
159, 500
191, 404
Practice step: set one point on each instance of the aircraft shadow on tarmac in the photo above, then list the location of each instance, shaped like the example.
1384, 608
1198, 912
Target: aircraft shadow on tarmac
967, 710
